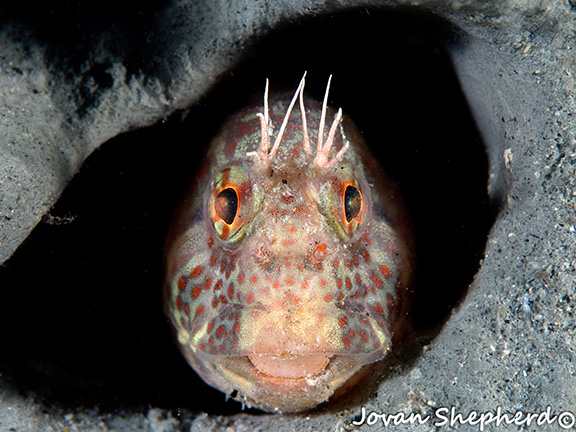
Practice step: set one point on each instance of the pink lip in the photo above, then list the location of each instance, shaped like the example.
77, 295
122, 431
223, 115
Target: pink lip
290, 366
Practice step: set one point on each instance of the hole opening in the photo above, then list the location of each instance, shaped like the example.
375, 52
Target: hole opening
88, 319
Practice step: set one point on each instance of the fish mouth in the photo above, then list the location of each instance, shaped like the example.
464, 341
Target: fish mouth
285, 361
292, 367
281, 383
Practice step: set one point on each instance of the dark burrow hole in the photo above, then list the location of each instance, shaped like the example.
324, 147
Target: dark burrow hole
80, 303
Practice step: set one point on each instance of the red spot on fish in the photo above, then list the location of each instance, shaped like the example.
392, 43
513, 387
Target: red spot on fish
358, 278
181, 284
214, 302
210, 326
213, 259
186, 308
289, 281
322, 281
340, 297
179, 303
276, 284
223, 299
365, 255
351, 333
199, 310
377, 281
196, 291
208, 283
328, 297
236, 328
291, 296
339, 283
250, 298
210, 242
363, 335
305, 284
196, 272
385, 270
342, 321
379, 308
346, 340
220, 331
348, 282
241, 277
356, 260
230, 290
336, 263
218, 284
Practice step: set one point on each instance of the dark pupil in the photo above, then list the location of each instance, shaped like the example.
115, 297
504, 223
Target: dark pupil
226, 205
352, 202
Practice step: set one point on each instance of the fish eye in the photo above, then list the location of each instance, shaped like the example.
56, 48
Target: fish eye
352, 203
344, 205
226, 205
231, 201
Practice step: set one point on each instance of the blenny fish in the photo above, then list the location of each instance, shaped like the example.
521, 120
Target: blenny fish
287, 266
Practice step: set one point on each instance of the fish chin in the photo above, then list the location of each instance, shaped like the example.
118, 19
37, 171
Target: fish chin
288, 383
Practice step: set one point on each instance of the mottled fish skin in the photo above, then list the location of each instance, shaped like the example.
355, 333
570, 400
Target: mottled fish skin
287, 266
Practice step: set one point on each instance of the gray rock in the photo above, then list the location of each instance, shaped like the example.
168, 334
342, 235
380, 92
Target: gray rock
510, 341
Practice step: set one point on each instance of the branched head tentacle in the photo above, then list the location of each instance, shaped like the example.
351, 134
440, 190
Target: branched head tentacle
264, 155
286, 117
323, 148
